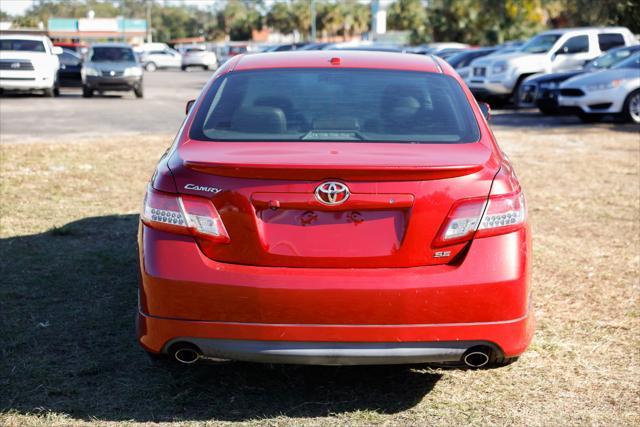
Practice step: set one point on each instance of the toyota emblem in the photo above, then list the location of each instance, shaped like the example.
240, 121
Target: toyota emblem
112, 73
15, 65
332, 193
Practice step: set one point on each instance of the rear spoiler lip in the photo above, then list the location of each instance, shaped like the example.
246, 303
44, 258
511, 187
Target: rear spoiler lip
319, 172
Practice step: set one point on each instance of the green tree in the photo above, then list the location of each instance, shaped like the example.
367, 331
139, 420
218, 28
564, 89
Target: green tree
357, 18
485, 21
281, 18
409, 15
330, 19
301, 11
590, 13
240, 18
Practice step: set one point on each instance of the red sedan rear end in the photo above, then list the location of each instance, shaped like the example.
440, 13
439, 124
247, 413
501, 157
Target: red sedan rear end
335, 208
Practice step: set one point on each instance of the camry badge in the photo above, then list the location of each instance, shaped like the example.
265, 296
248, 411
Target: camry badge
332, 193
213, 190
15, 65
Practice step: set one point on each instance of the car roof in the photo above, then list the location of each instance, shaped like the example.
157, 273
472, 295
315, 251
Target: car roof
348, 59
23, 37
114, 44
585, 29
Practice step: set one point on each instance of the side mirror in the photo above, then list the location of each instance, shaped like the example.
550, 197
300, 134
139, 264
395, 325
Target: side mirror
57, 50
189, 105
486, 110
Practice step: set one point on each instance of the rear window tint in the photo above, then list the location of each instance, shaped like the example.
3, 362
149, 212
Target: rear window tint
22, 45
610, 40
335, 105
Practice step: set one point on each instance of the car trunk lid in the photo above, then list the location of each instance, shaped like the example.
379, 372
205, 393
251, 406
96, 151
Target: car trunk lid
269, 198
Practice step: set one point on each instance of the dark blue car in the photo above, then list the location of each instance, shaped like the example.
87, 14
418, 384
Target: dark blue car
69, 71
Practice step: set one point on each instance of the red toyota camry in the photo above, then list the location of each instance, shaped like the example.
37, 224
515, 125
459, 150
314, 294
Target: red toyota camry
335, 208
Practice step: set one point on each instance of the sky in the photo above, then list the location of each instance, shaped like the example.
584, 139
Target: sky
15, 7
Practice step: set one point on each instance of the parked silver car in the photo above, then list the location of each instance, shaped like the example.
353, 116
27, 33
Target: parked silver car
199, 56
111, 66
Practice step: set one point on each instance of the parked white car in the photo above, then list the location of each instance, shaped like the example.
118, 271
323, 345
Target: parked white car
199, 56
614, 91
29, 62
160, 57
499, 76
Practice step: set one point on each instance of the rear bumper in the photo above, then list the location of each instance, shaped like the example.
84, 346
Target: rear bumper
186, 296
336, 344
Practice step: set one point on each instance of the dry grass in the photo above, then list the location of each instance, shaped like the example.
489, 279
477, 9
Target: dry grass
67, 301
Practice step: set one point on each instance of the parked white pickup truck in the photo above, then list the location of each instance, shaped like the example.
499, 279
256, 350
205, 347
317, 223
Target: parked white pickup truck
497, 77
29, 62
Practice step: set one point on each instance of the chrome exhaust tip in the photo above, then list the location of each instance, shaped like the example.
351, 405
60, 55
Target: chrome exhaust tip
187, 355
476, 358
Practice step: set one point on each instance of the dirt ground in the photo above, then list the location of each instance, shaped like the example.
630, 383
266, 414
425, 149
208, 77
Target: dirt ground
68, 299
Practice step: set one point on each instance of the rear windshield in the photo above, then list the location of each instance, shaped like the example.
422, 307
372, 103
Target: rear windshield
112, 54
335, 105
23, 45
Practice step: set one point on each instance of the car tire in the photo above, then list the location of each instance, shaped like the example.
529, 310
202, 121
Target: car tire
631, 108
497, 103
548, 111
183, 68
86, 92
139, 91
151, 67
590, 118
205, 67
49, 93
516, 90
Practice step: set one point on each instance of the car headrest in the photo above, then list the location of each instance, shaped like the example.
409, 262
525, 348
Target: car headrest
280, 102
259, 120
404, 106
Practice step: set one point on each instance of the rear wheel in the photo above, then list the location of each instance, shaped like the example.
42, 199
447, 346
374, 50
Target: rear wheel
631, 108
151, 67
183, 68
87, 92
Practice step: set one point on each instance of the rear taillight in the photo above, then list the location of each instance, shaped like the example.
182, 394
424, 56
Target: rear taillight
183, 214
481, 218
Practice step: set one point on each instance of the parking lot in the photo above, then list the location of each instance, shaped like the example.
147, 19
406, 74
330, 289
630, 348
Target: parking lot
72, 180
162, 110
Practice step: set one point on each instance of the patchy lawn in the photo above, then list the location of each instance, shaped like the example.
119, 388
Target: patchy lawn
68, 300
